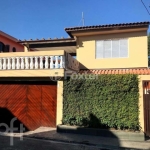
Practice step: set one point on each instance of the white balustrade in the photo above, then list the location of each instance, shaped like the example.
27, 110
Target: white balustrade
62, 62
18, 63
32, 62
41, 62
8, 63
56, 62
36, 62
46, 62
13, 62
1, 65
51, 62
22, 62
4, 63
26, 62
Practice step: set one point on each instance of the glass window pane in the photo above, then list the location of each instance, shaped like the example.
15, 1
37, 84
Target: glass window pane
107, 49
99, 49
115, 48
123, 48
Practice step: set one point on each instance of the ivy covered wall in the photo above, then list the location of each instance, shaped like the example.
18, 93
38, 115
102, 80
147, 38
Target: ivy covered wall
110, 101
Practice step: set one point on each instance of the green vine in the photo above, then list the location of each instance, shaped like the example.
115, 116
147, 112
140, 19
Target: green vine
110, 101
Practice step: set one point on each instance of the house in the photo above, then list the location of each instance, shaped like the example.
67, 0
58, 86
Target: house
103, 49
9, 43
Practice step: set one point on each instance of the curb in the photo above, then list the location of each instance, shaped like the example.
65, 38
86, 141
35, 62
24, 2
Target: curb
86, 143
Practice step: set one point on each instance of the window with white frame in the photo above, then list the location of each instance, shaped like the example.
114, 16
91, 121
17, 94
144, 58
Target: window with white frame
113, 48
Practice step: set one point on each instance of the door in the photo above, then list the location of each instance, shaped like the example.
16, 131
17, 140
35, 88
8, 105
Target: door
33, 103
146, 102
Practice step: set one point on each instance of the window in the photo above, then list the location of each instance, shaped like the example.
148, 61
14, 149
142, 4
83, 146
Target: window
2, 47
6, 48
114, 48
14, 49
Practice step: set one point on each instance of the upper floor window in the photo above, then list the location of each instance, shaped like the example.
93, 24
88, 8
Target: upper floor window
113, 48
2, 47
6, 48
14, 49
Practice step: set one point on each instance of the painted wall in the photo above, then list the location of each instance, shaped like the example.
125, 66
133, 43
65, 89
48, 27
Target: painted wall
59, 113
137, 46
6, 41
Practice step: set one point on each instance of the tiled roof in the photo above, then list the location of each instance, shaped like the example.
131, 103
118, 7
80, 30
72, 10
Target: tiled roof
48, 40
138, 71
106, 26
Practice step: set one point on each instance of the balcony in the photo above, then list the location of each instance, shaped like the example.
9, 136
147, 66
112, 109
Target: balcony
36, 64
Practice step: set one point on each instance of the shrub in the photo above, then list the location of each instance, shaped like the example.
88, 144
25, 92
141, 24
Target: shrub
111, 101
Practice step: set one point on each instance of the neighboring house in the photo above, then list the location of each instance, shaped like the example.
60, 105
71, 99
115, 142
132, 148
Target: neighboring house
102, 49
9, 43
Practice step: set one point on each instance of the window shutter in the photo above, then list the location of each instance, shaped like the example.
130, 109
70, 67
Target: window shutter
14, 49
115, 48
99, 49
6, 48
123, 48
107, 49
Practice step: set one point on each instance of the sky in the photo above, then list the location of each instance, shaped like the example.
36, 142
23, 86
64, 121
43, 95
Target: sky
32, 19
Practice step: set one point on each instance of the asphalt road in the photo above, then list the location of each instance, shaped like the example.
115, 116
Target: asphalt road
37, 144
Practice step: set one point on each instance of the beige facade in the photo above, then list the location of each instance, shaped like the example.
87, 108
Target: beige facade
59, 112
32, 73
137, 51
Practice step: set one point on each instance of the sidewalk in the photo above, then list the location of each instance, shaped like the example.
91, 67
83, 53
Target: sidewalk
102, 142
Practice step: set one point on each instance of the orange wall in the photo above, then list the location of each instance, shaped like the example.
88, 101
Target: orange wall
6, 41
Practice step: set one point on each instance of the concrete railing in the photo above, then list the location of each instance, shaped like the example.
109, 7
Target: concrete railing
37, 60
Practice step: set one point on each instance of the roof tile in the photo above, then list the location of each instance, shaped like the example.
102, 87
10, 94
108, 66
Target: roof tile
107, 26
138, 71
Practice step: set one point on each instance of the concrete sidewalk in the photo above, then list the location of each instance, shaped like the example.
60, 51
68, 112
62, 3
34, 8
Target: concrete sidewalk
102, 142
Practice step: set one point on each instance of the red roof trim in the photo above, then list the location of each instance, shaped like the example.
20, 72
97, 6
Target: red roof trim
138, 71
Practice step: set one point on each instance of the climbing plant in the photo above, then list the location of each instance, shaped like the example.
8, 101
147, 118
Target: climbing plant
109, 101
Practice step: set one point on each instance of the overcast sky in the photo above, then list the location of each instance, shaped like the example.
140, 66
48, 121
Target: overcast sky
31, 19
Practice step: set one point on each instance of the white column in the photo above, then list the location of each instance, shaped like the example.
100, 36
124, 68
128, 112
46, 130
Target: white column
4, 63
56, 62
51, 62
22, 62
46, 62
8, 63
1, 65
36, 62
31, 62
18, 63
13, 63
41, 62
64, 65
26, 62
62, 62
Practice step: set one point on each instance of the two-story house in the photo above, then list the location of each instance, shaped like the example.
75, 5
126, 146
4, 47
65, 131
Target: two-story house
27, 78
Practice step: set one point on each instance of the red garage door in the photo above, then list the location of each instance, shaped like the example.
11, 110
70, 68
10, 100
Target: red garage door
34, 104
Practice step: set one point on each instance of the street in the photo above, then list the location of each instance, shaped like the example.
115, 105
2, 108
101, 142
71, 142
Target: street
35, 144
